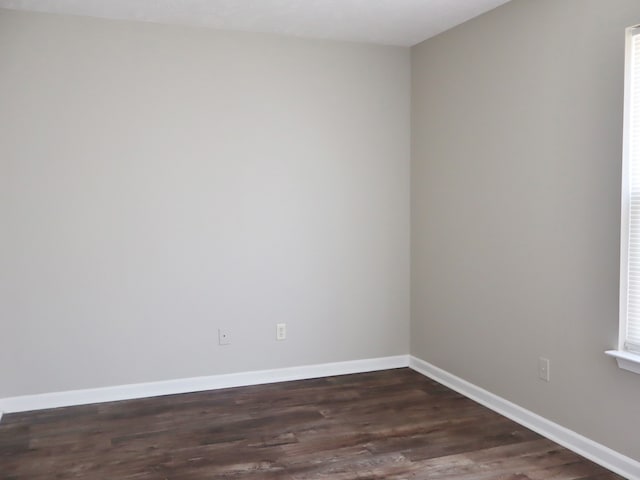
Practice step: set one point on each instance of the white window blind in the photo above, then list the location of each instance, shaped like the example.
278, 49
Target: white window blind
630, 255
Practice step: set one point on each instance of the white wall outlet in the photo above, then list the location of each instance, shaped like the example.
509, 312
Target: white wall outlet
544, 369
281, 331
224, 337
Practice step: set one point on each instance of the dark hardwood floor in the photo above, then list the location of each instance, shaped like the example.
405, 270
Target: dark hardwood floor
394, 424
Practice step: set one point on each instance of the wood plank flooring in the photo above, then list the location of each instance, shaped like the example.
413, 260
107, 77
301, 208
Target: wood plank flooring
394, 424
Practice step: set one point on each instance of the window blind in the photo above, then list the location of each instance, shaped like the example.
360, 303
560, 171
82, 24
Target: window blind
631, 325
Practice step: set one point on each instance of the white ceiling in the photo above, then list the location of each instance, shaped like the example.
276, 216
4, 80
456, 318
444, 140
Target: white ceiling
389, 22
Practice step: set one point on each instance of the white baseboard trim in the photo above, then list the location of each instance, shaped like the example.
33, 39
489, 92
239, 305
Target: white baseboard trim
197, 384
598, 453
608, 458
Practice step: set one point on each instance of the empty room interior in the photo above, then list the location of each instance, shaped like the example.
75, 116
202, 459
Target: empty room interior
341, 239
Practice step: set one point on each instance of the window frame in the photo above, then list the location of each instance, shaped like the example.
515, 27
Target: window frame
627, 360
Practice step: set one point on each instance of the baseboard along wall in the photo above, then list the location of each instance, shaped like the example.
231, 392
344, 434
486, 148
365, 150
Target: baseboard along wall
197, 384
590, 449
596, 452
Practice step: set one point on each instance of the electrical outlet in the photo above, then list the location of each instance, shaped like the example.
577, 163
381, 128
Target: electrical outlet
281, 331
544, 366
224, 337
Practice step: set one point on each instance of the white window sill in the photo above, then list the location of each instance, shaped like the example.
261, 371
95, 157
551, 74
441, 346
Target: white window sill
626, 360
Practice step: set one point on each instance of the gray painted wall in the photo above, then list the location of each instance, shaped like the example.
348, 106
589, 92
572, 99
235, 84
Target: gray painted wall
517, 130
159, 182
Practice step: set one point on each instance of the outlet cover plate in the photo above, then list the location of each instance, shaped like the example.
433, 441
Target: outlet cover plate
281, 331
544, 366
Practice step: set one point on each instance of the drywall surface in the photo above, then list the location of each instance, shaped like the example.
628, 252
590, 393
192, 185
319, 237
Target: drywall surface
160, 182
516, 161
